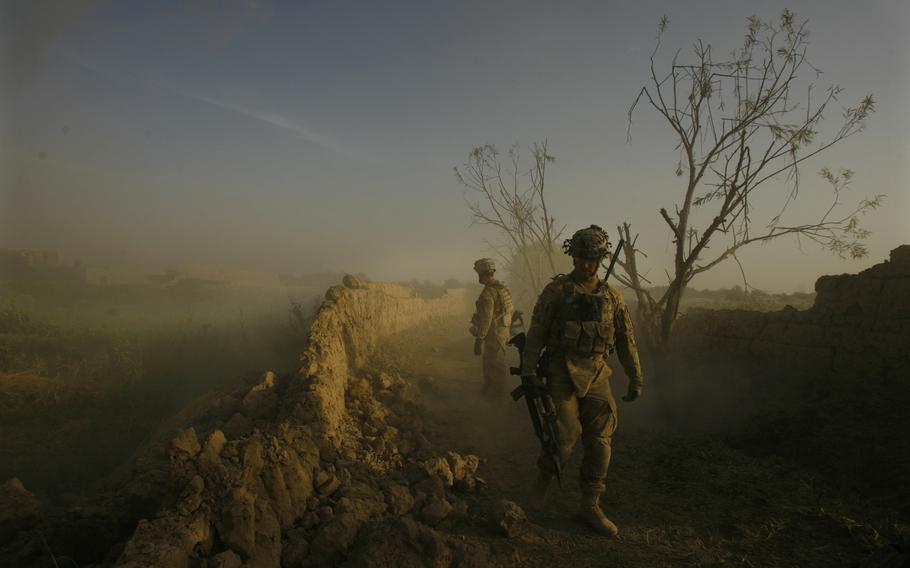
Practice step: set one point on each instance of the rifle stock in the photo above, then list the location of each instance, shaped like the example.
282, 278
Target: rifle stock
540, 407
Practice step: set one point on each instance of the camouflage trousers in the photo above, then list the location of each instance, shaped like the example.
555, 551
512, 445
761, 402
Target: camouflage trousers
495, 369
593, 419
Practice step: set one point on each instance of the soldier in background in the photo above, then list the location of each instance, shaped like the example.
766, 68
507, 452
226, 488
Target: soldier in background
490, 327
580, 320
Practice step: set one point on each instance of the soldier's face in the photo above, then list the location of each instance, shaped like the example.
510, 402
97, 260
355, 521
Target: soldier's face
586, 268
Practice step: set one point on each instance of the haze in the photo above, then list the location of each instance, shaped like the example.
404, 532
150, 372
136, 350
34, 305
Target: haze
296, 137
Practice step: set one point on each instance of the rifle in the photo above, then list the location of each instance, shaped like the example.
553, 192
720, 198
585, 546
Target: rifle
613, 258
541, 409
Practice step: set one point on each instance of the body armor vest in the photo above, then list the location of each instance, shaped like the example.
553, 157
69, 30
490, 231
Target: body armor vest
584, 322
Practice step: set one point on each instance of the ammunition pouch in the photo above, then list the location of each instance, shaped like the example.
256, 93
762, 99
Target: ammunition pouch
588, 338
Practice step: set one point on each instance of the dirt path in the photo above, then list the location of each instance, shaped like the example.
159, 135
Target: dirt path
680, 499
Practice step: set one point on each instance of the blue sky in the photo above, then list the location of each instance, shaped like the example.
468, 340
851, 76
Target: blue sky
301, 136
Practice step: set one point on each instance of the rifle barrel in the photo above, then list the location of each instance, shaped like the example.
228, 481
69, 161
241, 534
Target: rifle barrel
613, 258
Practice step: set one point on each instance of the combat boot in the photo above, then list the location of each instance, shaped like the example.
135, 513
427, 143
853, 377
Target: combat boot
540, 489
589, 512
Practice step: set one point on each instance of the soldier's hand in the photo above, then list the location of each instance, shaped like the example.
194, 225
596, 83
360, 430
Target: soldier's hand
633, 394
478, 346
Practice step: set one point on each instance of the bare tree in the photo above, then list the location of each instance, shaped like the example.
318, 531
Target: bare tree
741, 124
503, 194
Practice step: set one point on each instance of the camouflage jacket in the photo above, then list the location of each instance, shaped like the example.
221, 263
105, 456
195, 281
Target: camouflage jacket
493, 311
581, 328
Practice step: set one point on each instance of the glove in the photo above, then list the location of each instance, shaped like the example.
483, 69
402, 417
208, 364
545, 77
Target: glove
478, 346
633, 394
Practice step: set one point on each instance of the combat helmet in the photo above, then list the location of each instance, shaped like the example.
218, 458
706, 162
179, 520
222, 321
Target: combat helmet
590, 243
484, 265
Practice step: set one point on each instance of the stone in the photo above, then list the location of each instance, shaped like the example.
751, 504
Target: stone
360, 389
282, 503
458, 466
298, 477
326, 483
334, 294
469, 482
237, 523
191, 497
399, 499
435, 511
211, 452
384, 381
509, 518
168, 540
184, 445
439, 467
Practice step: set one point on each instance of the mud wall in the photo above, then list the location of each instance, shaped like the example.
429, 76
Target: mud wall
256, 462
860, 323
347, 328
827, 387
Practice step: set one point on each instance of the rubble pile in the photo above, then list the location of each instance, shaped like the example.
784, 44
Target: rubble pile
326, 466
311, 470
280, 496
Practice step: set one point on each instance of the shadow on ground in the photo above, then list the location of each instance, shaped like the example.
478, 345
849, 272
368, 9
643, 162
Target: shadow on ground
681, 497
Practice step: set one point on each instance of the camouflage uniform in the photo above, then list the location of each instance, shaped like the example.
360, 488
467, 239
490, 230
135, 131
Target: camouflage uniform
580, 320
490, 324
579, 328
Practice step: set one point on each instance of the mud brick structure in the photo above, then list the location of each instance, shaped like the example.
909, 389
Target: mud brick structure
860, 323
284, 447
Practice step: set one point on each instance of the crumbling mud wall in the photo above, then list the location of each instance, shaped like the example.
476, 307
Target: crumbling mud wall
827, 387
287, 472
860, 323
347, 328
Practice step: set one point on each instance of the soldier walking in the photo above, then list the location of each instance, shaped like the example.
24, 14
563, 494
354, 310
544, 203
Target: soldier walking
490, 327
579, 320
